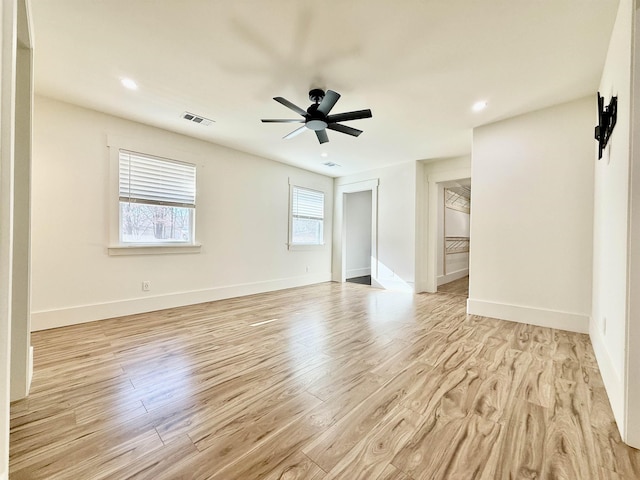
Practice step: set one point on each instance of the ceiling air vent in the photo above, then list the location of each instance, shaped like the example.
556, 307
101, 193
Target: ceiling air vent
331, 164
192, 117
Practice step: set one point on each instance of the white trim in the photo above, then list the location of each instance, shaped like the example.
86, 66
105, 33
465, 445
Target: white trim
116, 250
573, 322
303, 185
358, 272
73, 315
30, 366
115, 143
450, 277
339, 262
8, 32
305, 247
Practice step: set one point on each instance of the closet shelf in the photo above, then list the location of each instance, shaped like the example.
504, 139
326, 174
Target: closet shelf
458, 199
454, 245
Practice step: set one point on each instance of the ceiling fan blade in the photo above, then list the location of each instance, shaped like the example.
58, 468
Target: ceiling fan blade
322, 136
290, 105
297, 131
343, 117
344, 129
282, 120
329, 100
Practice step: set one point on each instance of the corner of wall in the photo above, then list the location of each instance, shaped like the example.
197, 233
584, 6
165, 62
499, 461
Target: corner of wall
611, 379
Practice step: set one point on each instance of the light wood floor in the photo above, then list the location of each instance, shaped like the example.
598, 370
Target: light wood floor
321, 382
457, 287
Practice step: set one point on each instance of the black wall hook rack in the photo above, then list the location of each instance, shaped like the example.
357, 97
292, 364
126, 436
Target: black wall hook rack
606, 121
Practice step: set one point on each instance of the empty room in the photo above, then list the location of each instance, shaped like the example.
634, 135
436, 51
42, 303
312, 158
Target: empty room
284, 239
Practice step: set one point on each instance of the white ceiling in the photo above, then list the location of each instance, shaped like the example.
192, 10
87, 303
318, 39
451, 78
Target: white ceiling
419, 65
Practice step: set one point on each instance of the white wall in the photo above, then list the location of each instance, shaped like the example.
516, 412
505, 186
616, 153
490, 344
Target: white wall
532, 217
610, 317
457, 223
358, 233
244, 238
395, 239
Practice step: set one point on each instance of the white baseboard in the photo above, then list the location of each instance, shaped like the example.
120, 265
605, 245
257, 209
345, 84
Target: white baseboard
62, 317
572, 322
358, 272
450, 277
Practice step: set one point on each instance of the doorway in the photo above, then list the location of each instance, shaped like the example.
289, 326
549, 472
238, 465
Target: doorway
358, 241
454, 213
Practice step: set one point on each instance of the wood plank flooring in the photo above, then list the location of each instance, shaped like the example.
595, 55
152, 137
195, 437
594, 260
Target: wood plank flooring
331, 381
457, 287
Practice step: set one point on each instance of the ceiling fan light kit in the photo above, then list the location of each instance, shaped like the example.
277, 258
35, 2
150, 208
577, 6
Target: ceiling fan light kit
317, 118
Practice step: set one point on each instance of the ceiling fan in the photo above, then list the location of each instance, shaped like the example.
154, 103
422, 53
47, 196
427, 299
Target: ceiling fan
317, 117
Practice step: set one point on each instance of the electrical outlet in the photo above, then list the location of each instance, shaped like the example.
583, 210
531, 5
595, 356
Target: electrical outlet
604, 325
307, 269
146, 285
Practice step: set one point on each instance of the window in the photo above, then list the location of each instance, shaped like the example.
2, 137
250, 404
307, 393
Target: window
307, 217
157, 200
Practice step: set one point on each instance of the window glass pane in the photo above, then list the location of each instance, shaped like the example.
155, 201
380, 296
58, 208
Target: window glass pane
306, 231
143, 223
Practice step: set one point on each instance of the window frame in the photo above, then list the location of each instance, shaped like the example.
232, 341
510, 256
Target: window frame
305, 246
115, 245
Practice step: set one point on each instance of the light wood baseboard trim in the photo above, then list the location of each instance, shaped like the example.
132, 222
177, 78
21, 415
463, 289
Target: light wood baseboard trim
62, 317
571, 322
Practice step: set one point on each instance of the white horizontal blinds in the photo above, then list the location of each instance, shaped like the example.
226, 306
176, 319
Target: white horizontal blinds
307, 204
156, 181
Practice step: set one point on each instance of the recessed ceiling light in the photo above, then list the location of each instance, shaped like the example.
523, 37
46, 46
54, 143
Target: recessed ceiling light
128, 83
478, 106
324, 154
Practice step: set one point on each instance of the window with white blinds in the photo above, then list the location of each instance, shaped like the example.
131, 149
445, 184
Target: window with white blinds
307, 216
152, 180
157, 199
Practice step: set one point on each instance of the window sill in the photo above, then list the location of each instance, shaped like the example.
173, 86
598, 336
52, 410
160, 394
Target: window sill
116, 250
302, 247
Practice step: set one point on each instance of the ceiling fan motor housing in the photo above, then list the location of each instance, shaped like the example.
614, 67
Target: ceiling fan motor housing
317, 117
315, 120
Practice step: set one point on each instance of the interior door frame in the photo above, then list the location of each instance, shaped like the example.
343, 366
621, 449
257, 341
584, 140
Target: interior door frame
431, 265
339, 231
